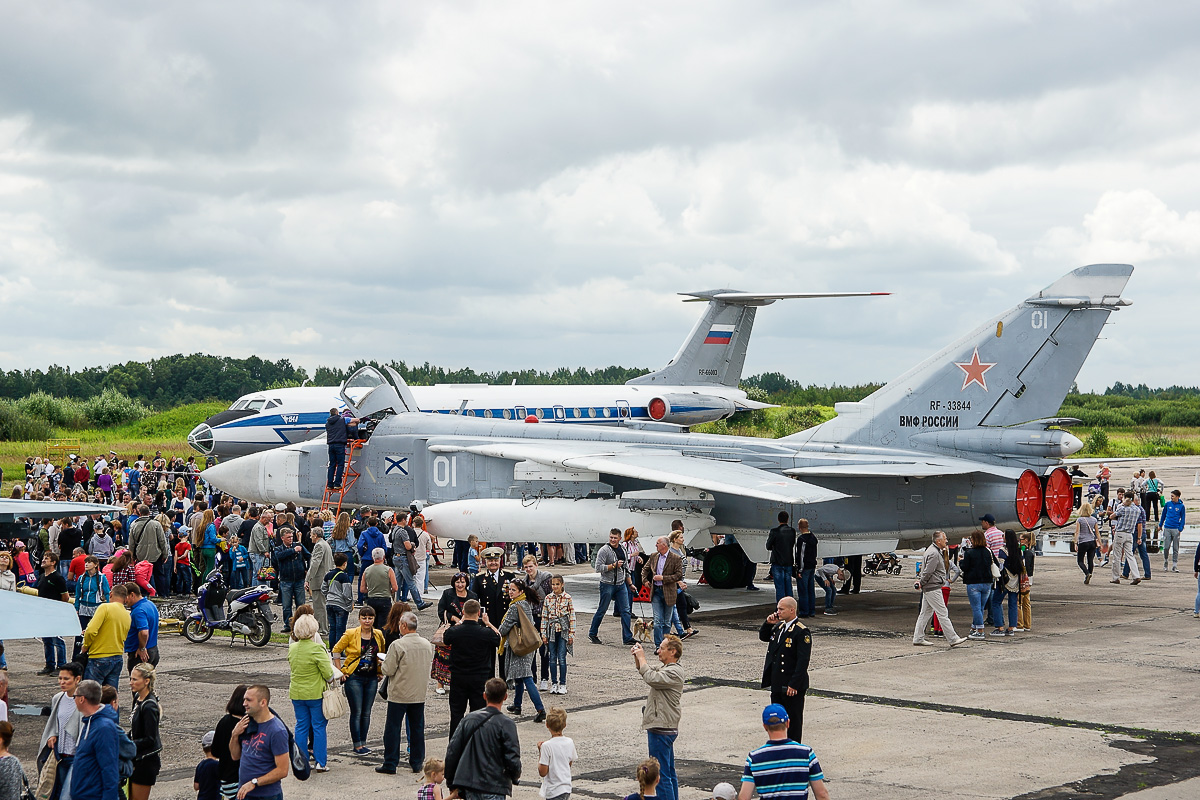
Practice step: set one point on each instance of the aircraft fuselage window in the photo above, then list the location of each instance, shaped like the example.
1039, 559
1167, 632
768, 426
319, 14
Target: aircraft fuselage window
541, 412
256, 405
470, 412
507, 414
273, 403
592, 413
575, 413
559, 412
487, 413
238, 406
607, 411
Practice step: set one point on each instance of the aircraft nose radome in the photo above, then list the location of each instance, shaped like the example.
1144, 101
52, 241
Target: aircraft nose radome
239, 477
201, 438
1070, 445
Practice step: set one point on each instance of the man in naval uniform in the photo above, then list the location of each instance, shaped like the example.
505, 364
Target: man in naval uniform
789, 645
491, 587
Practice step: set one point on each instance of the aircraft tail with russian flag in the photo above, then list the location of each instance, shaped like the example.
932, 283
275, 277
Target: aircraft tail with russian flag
715, 350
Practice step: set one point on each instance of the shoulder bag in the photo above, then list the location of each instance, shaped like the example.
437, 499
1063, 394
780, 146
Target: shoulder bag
333, 701
524, 638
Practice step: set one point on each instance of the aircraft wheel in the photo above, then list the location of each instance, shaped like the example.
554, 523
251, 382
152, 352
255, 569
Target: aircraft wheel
725, 567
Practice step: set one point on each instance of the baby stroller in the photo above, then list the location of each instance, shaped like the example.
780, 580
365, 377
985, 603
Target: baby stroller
885, 563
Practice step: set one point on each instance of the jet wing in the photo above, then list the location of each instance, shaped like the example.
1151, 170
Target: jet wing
23, 616
660, 466
900, 469
40, 509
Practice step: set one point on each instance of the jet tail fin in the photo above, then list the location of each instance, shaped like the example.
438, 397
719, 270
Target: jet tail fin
1012, 370
715, 351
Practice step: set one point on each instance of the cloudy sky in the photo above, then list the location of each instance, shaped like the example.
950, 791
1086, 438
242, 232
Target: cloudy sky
508, 185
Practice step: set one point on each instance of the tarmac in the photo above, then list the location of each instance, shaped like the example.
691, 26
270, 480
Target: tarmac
1099, 700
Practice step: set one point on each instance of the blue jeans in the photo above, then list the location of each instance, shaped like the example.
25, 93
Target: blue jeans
979, 595
240, 578
557, 651
530, 685
662, 747
830, 593
311, 719
257, 562
396, 714
473, 795
56, 651
337, 465
998, 607
1196, 610
406, 582
360, 695
162, 577
608, 593
662, 615
782, 576
806, 591
183, 579
292, 598
104, 671
337, 622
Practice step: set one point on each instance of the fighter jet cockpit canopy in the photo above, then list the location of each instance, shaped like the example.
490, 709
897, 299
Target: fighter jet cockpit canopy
371, 395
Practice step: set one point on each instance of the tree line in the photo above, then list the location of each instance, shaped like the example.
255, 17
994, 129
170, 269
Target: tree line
170, 381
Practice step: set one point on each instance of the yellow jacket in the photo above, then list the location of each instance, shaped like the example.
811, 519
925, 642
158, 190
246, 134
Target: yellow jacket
105, 634
350, 646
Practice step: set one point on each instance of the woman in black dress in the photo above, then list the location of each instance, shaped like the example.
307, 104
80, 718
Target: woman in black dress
227, 765
450, 609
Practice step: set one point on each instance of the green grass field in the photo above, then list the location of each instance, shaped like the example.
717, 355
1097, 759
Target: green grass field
166, 431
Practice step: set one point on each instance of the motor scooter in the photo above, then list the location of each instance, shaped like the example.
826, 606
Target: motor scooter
240, 611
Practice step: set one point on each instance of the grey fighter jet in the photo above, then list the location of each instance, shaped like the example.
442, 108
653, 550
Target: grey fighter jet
970, 430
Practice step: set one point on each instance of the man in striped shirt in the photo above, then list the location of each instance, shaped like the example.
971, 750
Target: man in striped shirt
1128, 526
781, 769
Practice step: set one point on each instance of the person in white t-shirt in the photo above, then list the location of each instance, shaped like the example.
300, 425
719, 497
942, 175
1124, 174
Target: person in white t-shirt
555, 757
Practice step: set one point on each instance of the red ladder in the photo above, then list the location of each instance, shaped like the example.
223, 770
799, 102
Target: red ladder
332, 499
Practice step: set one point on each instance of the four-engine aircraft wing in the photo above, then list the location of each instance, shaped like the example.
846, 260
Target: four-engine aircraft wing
662, 466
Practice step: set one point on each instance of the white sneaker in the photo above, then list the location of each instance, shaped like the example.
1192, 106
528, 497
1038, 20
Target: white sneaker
554, 688
562, 688
542, 685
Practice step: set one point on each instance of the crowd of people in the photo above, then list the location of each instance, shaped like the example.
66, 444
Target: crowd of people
352, 587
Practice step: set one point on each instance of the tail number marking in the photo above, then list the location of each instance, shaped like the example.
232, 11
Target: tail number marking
1039, 319
445, 471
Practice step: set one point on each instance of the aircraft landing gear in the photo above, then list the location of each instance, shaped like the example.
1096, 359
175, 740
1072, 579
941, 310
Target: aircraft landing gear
725, 567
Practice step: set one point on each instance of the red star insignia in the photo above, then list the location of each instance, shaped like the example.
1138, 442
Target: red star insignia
974, 370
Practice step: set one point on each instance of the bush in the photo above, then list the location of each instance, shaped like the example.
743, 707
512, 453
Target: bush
111, 407
1182, 418
1097, 443
18, 427
56, 411
1099, 417
795, 418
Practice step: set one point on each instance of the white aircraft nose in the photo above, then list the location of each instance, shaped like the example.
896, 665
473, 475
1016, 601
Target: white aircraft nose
240, 477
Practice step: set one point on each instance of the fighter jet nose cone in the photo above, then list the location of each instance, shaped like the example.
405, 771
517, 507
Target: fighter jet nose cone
239, 477
1070, 445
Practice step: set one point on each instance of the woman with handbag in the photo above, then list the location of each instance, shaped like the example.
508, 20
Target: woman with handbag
143, 729
1008, 585
356, 654
519, 668
450, 611
976, 568
311, 672
679, 618
1024, 609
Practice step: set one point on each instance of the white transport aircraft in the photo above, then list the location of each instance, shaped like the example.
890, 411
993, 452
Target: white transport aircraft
700, 384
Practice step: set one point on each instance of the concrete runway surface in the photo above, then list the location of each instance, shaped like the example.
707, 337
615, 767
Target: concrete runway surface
1100, 700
